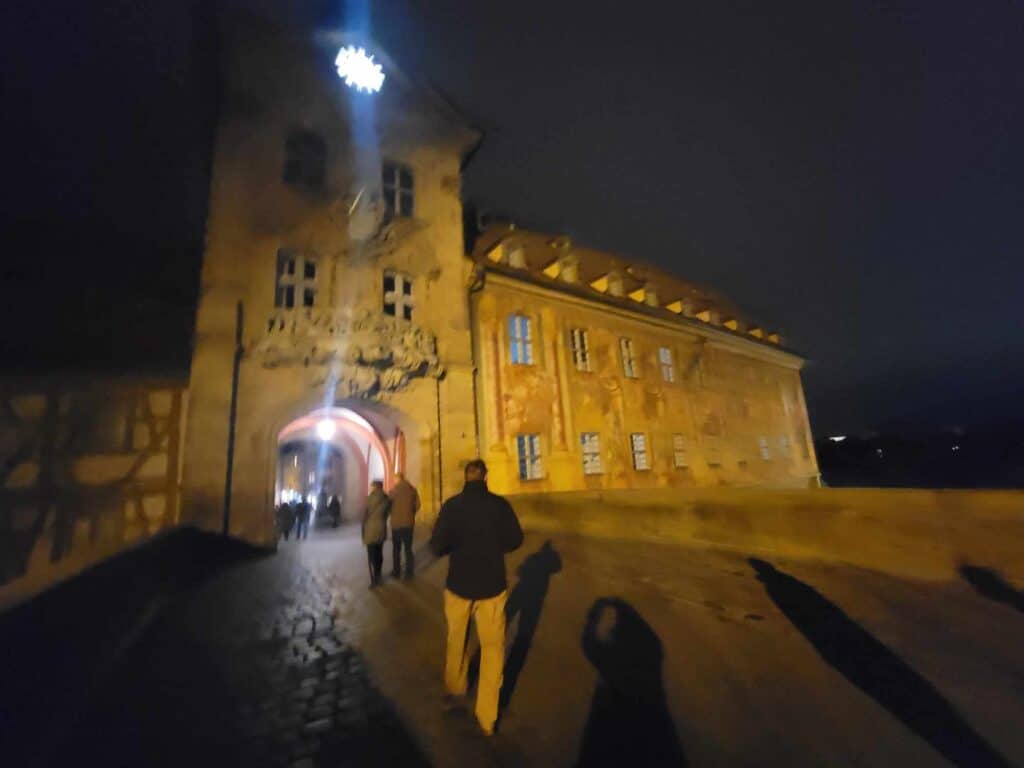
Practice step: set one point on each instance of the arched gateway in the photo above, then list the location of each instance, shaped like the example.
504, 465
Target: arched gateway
338, 451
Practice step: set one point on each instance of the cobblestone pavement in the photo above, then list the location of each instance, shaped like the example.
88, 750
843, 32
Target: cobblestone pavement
714, 659
248, 668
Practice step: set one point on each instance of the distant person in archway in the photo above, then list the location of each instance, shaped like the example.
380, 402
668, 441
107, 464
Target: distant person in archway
405, 503
375, 529
334, 511
285, 519
302, 513
476, 528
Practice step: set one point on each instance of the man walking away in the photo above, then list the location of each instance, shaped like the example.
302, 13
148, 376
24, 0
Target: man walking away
375, 529
405, 503
476, 528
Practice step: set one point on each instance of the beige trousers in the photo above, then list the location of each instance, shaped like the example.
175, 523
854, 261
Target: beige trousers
489, 616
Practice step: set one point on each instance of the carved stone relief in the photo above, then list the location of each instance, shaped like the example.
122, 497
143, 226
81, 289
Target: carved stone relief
363, 354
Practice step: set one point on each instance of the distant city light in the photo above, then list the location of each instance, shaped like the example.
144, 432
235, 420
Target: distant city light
358, 69
837, 438
325, 429
956, 447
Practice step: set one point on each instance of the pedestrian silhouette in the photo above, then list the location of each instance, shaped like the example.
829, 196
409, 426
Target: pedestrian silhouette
527, 602
629, 722
990, 584
859, 657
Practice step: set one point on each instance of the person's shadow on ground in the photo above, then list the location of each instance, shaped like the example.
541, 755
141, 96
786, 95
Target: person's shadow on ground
629, 722
991, 585
859, 657
527, 602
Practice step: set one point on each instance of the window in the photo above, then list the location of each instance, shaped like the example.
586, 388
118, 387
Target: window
520, 340
629, 368
668, 371
398, 300
713, 450
679, 460
762, 444
591, 443
396, 186
305, 161
296, 280
638, 443
784, 445
531, 467
580, 341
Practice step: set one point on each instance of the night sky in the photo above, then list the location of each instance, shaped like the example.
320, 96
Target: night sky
851, 173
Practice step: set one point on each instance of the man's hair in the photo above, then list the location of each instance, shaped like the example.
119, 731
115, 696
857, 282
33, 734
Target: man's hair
476, 469
377, 484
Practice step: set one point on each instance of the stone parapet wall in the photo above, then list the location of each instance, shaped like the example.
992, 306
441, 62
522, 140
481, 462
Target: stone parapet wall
88, 468
910, 533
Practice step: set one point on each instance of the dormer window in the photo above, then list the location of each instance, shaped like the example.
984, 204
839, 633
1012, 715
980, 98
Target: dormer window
398, 300
396, 187
296, 283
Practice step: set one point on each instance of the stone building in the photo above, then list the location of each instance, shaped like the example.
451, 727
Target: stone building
342, 324
344, 333
594, 372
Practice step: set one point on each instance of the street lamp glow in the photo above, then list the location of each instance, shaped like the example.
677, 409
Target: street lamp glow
325, 429
358, 69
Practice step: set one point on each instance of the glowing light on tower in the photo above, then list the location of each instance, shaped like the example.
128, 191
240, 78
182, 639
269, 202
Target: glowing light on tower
325, 429
358, 69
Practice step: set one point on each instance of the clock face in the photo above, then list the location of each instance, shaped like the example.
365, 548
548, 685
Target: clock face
358, 69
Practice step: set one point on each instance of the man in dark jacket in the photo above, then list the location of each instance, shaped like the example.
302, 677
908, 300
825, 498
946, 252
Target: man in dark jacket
476, 528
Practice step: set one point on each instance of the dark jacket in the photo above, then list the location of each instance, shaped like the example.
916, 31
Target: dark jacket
476, 528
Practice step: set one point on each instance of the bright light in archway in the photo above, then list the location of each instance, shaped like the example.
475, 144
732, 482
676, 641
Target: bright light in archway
325, 429
358, 69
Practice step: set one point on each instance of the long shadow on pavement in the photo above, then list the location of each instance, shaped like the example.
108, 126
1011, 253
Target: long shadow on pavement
629, 721
62, 645
527, 602
859, 657
988, 583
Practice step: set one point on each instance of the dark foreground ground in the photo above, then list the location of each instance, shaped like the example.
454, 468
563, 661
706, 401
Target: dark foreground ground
201, 652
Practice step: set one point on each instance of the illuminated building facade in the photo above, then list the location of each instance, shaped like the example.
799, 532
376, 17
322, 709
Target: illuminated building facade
340, 316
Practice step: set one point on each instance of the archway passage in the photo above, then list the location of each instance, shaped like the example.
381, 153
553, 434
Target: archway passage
338, 452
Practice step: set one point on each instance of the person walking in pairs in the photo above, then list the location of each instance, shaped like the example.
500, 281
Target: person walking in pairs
405, 502
375, 529
475, 529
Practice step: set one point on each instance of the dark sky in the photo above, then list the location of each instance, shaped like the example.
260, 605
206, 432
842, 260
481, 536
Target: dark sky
849, 172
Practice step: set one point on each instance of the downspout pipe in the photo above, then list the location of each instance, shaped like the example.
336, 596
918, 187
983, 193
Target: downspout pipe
476, 284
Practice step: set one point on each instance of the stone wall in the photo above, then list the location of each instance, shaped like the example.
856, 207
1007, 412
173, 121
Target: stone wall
911, 533
292, 360
724, 398
87, 468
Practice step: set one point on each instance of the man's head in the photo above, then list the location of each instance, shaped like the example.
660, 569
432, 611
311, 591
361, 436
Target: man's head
476, 470
377, 485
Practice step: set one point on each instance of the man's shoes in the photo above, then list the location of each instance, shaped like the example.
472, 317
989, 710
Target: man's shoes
408, 576
396, 574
